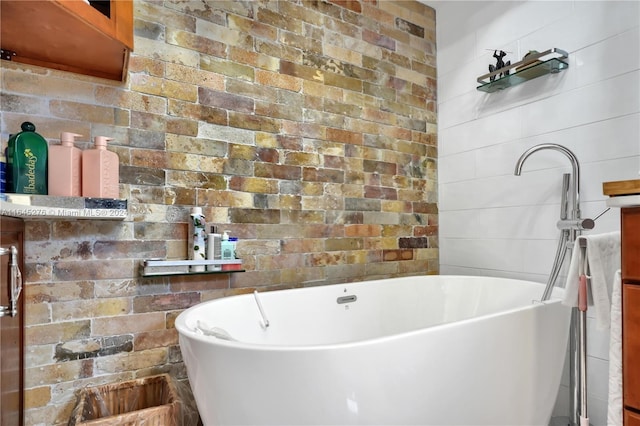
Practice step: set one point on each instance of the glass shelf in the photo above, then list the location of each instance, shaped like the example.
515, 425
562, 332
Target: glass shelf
54, 207
160, 268
528, 69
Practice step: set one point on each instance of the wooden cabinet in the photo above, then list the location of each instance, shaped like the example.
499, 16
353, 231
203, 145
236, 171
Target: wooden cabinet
631, 418
630, 230
69, 35
11, 326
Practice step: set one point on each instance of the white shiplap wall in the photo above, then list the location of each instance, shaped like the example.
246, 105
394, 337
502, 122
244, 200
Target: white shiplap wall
492, 222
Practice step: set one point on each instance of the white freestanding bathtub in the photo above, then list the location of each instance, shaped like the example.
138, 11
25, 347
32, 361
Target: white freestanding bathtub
428, 350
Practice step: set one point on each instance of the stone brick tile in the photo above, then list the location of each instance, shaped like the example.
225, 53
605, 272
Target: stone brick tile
278, 80
155, 12
141, 194
396, 230
114, 288
396, 255
263, 216
155, 339
254, 279
182, 126
431, 254
74, 230
226, 134
319, 90
413, 242
301, 71
224, 100
160, 50
82, 111
37, 397
281, 261
226, 68
400, 37
343, 82
49, 86
189, 40
294, 202
37, 272
59, 332
298, 276
419, 267
191, 283
183, 161
38, 313
255, 122
419, 13
226, 199
201, 78
132, 323
206, 147
382, 269
343, 244
302, 245
371, 9
37, 230
252, 26
396, 206
146, 84
148, 121
152, 158
72, 310
322, 175
59, 372
24, 104
249, 184
63, 291
141, 64
342, 273
131, 361
380, 243
93, 269
131, 100
425, 231
380, 217
361, 230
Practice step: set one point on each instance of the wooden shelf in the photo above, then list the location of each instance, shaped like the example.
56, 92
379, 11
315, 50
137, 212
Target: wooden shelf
68, 35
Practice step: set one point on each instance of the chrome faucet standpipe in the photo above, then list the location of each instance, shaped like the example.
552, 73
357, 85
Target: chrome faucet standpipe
570, 226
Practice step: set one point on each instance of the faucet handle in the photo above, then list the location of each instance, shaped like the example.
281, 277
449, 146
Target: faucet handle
603, 212
576, 224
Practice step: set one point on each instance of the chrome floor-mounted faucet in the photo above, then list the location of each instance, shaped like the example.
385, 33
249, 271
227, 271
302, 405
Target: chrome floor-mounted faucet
570, 226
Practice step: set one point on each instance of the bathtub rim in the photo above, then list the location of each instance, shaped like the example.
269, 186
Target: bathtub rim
186, 332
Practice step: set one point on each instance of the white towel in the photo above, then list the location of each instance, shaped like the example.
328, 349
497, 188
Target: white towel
614, 411
603, 258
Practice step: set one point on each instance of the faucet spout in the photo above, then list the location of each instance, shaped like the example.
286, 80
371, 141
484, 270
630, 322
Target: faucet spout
575, 168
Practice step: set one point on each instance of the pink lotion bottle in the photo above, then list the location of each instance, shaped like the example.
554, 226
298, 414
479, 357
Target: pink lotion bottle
65, 167
100, 171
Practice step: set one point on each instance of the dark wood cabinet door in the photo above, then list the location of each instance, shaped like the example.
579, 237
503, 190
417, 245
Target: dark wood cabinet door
11, 327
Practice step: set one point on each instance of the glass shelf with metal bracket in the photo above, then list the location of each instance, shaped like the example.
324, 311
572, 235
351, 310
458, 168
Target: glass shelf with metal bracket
533, 65
159, 267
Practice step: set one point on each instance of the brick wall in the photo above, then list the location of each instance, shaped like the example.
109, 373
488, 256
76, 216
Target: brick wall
305, 128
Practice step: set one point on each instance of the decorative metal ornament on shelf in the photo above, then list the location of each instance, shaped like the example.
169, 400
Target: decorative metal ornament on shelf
533, 65
500, 64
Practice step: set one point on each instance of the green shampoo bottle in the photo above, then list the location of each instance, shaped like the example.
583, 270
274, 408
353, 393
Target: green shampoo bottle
27, 161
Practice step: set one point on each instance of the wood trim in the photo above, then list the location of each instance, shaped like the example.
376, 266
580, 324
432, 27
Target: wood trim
621, 187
